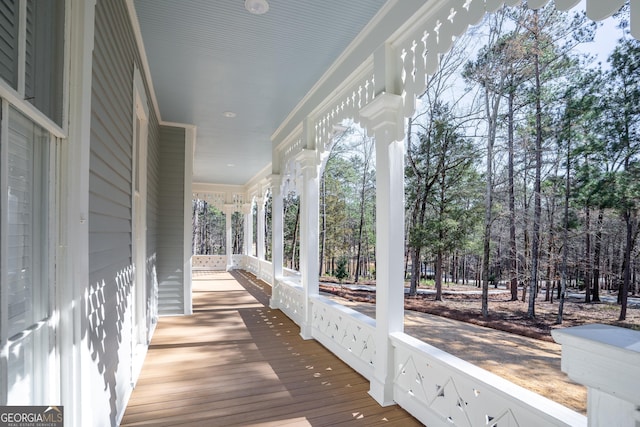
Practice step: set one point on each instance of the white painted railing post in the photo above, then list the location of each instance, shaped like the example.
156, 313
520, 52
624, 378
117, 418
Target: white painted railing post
309, 218
260, 234
383, 117
228, 212
606, 359
248, 228
277, 238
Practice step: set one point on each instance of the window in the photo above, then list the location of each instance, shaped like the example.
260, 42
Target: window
44, 54
9, 42
27, 337
32, 52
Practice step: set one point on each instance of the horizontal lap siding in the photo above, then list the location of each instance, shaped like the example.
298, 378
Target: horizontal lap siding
108, 327
171, 236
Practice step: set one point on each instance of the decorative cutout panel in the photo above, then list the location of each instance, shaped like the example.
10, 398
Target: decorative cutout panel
444, 387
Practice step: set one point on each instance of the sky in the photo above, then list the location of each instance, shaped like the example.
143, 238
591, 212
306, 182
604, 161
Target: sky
606, 38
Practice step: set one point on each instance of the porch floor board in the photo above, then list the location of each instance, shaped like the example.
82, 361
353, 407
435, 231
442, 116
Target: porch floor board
236, 362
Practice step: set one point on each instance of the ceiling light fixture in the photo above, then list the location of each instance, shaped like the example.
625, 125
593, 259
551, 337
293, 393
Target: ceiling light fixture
257, 7
229, 114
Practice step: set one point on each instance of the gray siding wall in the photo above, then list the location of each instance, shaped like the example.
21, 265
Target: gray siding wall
107, 329
171, 221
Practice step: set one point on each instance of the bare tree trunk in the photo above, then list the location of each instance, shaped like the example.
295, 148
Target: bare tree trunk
294, 239
537, 210
565, 234
587, 255
596, 257
438, 278
513, 254
626, 280
323, 224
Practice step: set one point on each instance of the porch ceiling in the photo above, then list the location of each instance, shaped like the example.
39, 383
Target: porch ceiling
207, 57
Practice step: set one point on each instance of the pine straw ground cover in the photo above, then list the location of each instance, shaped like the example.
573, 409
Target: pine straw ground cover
506, 315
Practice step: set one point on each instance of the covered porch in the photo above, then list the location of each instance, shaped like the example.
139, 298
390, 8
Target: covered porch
238, 362
374, 82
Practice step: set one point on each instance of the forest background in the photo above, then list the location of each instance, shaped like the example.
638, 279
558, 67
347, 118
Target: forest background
521, 170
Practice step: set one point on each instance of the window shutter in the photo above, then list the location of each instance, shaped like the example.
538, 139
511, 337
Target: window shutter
44, 54
9, 41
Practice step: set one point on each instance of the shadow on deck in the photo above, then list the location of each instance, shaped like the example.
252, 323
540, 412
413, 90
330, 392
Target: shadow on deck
236, 362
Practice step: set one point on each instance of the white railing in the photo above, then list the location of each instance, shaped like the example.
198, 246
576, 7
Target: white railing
209, 262
252, 265
289, 273
436, 387
348, 334
260, 268
289, 298
237, 261
266, 272
440, 389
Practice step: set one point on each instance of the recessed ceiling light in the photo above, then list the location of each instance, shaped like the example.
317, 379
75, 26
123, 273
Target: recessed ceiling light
257, 7
231, 165
229, 114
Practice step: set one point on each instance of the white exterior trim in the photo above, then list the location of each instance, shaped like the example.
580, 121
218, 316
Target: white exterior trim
135, 24
73, 261
190, 142
17, 101
139, 315
4, 312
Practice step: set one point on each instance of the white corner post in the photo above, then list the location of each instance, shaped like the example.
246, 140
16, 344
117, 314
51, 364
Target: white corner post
383, 118
228, 212
260, 243
309, 216
606, 359
277, 237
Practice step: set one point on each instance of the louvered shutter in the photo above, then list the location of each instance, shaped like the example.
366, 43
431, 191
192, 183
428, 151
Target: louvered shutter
9, 41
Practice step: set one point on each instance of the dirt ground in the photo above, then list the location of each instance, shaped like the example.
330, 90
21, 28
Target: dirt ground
463, 303
507, 343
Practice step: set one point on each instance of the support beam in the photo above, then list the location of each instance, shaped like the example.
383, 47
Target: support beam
277, 238
383, 117
260, 243
228, 212
247, 210
309, 216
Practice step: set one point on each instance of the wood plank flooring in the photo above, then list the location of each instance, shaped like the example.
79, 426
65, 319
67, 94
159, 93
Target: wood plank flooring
236, 362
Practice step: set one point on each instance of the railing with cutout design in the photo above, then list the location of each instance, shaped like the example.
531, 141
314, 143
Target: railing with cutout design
252, 265
290, 299
442, 390
266, 272
348, 334
209, 262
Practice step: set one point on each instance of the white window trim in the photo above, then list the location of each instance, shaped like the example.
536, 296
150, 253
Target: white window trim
4, 315
139, 320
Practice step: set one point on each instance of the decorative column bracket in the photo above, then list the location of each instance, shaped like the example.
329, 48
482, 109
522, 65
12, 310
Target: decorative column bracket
383, 117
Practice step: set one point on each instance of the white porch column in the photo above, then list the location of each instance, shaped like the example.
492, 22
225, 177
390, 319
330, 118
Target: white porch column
260, 243
248, 228
277, 237
606, 360
383, 117
228, 211
309, 215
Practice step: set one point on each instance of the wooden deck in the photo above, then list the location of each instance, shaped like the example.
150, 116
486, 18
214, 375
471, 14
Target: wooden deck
236, 362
